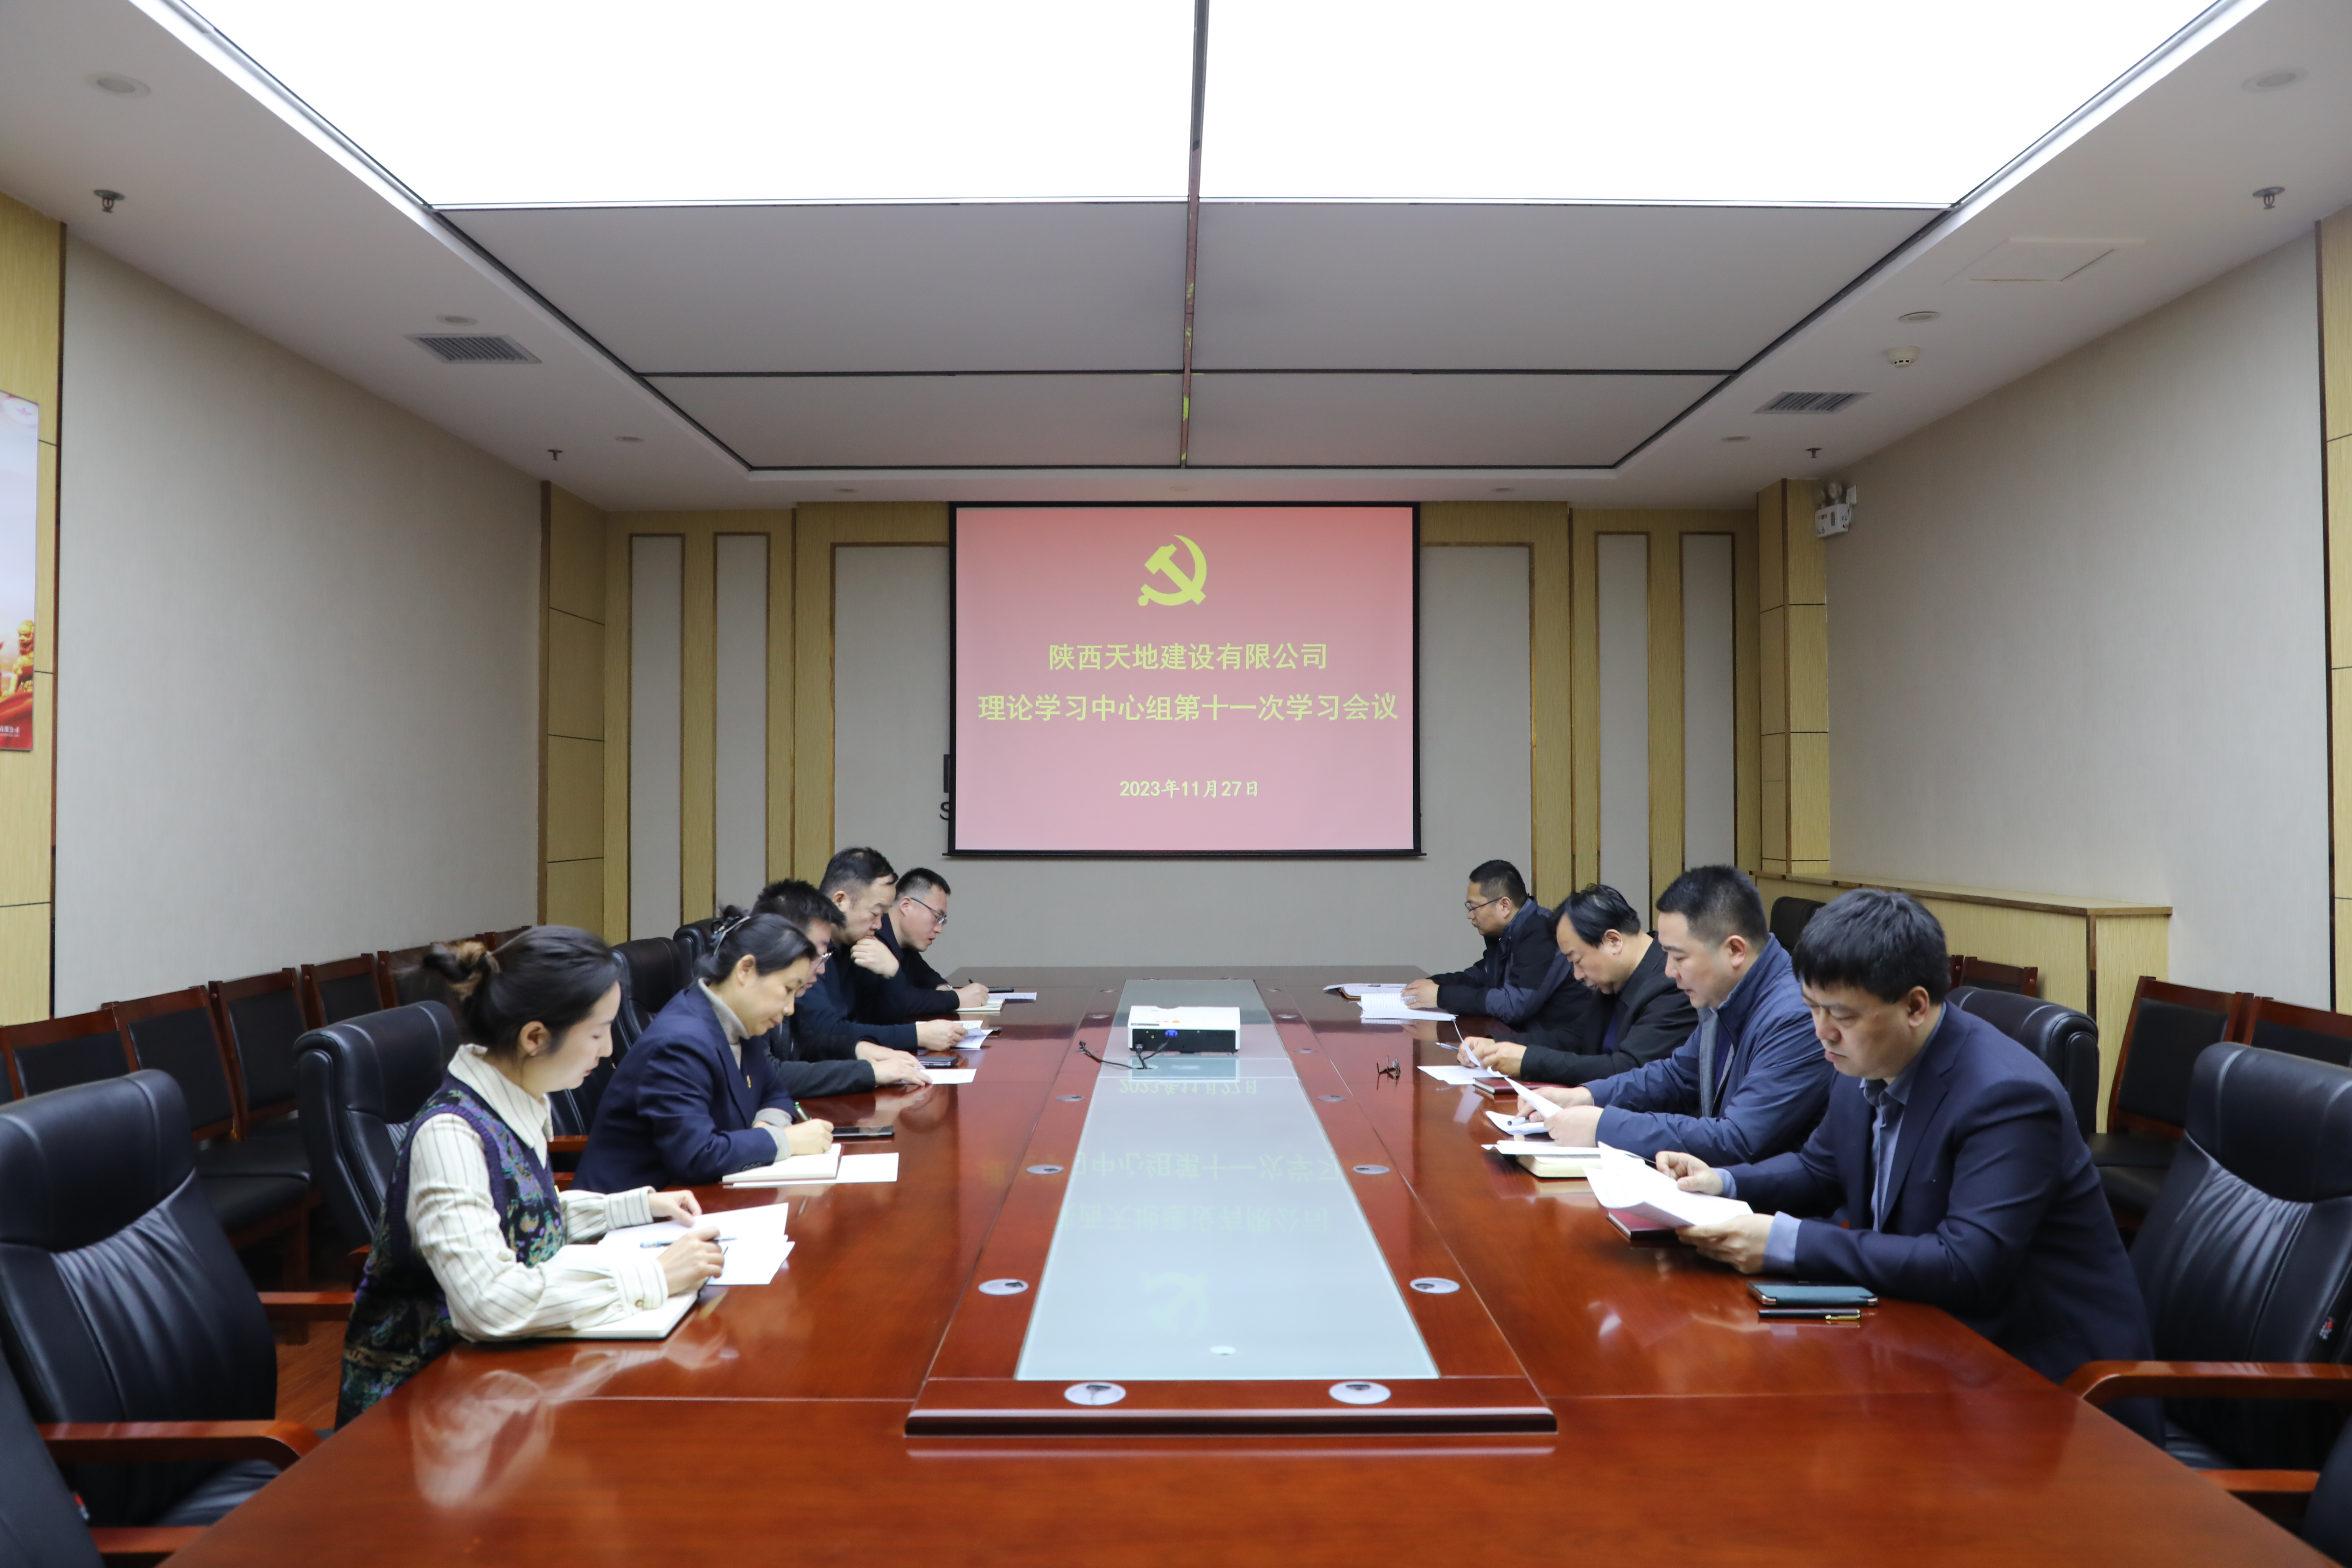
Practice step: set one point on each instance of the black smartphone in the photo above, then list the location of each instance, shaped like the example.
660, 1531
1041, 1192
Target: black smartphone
854, 1134
1816, 1298
941, 1059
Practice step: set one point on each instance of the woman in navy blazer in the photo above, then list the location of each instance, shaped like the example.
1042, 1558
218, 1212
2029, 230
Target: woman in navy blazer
698, 1096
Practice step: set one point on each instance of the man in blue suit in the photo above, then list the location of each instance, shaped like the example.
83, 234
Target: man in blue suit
1947, 1168
1750, 1081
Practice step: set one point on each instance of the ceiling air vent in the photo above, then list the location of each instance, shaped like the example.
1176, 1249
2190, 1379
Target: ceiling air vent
472, 348
1809, 402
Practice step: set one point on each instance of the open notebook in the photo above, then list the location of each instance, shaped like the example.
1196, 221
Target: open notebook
653, 1323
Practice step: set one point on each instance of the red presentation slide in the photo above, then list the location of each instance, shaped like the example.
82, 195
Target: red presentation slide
1185, 680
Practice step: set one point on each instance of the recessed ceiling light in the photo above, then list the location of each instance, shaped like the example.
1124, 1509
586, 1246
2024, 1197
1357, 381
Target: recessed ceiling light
456, 320
118, 85
1735, 437
2271, 81
630, 440
1919, 315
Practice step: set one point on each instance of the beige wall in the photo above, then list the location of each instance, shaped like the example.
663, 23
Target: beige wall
298, 667
2076, 642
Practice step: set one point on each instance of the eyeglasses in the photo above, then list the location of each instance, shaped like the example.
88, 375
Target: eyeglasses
1470, 909
939, 917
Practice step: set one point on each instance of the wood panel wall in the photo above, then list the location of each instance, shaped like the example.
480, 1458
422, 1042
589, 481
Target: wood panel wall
1792, 631
571, 707
32, 322
2336, 422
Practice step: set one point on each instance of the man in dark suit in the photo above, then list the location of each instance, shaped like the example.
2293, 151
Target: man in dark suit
860, 885
816, 1059
1749, 1081
1520, 980
1948, 1168
912, 988
1608, 949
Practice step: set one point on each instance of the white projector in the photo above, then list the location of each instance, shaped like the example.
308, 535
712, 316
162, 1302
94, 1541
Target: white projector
1184, 1029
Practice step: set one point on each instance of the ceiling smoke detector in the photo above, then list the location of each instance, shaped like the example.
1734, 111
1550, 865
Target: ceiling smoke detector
1902, 356
1915, 317
114, 84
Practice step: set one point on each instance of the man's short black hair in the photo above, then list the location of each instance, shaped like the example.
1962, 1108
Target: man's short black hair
1874, 941
1499, 879
920, 881
853, 868
1597, 909
799, 903
1718, 902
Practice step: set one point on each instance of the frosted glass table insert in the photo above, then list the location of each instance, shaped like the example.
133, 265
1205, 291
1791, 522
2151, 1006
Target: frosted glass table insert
1208, 1231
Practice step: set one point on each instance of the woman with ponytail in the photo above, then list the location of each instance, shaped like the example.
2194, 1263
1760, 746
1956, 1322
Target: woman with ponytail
688, 1103
465, 1247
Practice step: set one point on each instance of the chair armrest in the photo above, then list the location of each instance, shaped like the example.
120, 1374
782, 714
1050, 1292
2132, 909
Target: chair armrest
306, 1306
2282, 1494
162, 1442
568, 1144
142, 1545
2102, 1383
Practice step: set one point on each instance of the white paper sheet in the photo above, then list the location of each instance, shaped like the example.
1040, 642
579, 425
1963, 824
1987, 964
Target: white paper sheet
766, 1222
1460, 1076
870, 1168
1544, 1149
1629, 1185
798, 1168
1390, 1008
1515, 1126
755, 1261
1013, 996
952, 1075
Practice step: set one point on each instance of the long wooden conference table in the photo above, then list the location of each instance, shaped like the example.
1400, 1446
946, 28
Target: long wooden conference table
1595, 1402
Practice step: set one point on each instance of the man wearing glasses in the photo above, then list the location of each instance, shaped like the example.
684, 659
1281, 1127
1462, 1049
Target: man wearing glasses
916, 921
1522, 980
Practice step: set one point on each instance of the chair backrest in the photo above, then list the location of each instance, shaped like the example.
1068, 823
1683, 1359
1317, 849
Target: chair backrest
2247, 1254
343, 989
359, 1080
262, 1015
58, 1052
495, 939
39, 1525
119, 1297
2067, 1041
574, 1112
413, 982
2168, 1027
1789, 917
2021, 980
176, 1033
2313, 1032
656, 972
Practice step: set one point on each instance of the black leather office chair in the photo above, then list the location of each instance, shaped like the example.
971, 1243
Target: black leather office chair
1789, 917
2067, 1041
56, 1052
262, 1017
2247, 1255
574, 1112
120, 1298
39, 1525
358, 1080
2148, 1104
658, 971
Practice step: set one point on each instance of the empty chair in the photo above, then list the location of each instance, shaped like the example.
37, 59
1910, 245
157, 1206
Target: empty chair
343, 989
261, 1018
58, 1052
2021, 980
2247, 1254
2067, 1041
176, 1033
358, 1080
2313, 1032
40, 1527
1789, 917
657, 970
123, 1300
2148, 1104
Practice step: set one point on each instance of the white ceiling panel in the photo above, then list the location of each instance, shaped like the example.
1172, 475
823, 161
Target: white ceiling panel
1436, 421
936, 421
1351, 286
1048, 286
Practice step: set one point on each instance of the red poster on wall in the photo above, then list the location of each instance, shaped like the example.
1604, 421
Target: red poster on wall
20, 495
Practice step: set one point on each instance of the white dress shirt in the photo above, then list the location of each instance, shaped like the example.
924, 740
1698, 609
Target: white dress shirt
492, 1296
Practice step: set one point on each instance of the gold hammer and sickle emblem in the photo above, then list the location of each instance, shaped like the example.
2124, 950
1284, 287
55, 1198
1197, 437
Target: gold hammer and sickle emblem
1192, 590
